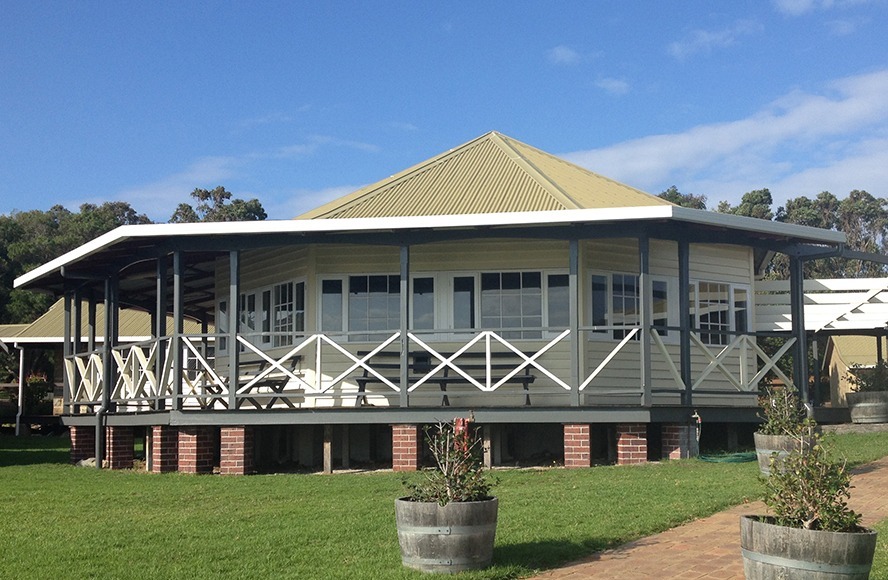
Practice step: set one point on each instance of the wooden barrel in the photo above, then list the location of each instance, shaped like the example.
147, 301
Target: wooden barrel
871, 407
446, 539
768, 445
772, 552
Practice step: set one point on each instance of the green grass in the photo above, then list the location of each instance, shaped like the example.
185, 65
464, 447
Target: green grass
57, 520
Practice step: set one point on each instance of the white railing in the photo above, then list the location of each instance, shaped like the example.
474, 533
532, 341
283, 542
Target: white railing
321, 370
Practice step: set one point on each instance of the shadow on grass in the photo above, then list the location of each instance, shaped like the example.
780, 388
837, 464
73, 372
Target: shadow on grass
34, 450
549, 554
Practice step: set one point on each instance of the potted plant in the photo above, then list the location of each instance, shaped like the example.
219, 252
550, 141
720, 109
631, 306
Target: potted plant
784, 423
868, 401
812, 534
447, 522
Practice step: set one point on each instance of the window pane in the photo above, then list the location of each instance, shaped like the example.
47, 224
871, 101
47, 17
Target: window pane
464, 302
599, 302
558, 301
331, 305
741, 310
713, 312
424, 303
661, 306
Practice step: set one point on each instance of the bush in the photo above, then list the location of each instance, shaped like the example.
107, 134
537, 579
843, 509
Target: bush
783, 413
868, 379
811, 491
459, 473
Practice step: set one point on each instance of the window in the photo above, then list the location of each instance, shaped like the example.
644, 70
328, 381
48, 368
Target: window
713, 308
558, 307
512, 300
423, 303
615, 300
288, 314
464, 302
267, 317
372, 304
718, 311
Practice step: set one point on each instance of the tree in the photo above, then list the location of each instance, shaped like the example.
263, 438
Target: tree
690, 200
31, 238
756, 203
214, 206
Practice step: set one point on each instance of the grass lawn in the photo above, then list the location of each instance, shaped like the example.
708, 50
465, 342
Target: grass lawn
57, 520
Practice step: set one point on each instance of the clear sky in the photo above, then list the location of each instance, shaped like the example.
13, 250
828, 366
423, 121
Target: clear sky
296, 103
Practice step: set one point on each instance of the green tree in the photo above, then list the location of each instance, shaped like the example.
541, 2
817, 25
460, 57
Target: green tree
690, 200
756, 203
216, 205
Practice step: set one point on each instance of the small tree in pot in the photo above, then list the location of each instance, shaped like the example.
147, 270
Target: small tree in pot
812, 533
447, 522
784, 423
868, 402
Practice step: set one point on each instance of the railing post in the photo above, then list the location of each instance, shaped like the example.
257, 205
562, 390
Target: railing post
160, 329
645, 308
233, 321
684, 320
574, 316
176, 337
405, 326
68, 381
797, 310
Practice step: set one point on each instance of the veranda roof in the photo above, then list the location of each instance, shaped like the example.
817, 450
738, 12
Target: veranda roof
491, 174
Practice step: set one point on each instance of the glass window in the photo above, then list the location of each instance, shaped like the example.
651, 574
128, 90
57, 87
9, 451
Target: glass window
222, 325
660, 315
512, 300
558, 298
284, 321
741, 310
373, 304
331, 306
713, 312
624, 298
423, 303
464, 302
599, 302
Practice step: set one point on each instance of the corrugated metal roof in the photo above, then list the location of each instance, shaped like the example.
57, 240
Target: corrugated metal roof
133, 325
491, 174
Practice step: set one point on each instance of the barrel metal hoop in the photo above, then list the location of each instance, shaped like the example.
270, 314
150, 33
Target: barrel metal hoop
808, 566
437, 561
446, 530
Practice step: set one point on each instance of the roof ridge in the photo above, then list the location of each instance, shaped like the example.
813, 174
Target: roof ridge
540, 176
378, 187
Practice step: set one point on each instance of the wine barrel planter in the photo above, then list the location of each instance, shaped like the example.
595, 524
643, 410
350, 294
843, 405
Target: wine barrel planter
767, 445
771, 552
870, 407
446, 539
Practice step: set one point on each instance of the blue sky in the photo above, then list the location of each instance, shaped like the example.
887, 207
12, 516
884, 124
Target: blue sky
296, 103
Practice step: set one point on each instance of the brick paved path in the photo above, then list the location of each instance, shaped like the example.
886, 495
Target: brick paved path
710, 547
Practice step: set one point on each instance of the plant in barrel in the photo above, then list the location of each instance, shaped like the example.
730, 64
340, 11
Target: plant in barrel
447, 522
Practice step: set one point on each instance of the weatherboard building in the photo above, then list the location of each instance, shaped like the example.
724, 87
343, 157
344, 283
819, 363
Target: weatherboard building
568, 313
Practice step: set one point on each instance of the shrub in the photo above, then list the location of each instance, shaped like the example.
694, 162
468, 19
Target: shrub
783, 413
459, 473
868, 379
811, 491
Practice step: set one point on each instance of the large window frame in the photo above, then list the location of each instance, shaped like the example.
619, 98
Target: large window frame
719, 310
269, 317
614, 299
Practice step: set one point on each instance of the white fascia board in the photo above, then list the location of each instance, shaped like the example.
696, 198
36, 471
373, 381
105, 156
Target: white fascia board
351, 225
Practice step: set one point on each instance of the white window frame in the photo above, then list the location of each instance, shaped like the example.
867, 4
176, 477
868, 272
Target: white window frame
259, 337
732, 310
670, 336
351, 336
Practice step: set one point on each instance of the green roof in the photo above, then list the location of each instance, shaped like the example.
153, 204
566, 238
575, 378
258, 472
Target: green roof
491, 174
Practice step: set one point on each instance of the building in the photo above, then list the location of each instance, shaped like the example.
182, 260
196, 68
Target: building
559, 307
